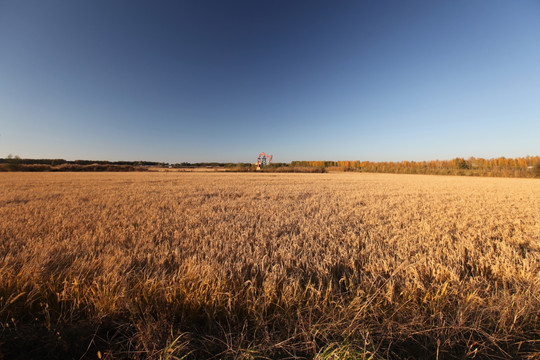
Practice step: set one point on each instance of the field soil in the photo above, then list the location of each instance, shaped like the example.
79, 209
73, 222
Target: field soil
214, 265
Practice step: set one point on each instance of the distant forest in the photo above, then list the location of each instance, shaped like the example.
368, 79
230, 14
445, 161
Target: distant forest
15, 163
528, 166
503, 167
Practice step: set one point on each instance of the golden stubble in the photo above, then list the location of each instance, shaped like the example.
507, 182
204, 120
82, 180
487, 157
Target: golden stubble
301, 258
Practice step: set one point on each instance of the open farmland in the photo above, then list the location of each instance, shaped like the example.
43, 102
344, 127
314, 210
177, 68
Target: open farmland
220, 265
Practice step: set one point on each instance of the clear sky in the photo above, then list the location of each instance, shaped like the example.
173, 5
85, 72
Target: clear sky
221, 80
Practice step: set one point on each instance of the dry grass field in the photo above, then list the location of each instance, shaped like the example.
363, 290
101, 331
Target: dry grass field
242, 266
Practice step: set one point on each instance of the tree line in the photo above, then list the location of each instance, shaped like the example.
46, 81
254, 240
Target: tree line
15, 163
528, 166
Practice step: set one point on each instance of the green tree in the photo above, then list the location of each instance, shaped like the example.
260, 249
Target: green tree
13, 162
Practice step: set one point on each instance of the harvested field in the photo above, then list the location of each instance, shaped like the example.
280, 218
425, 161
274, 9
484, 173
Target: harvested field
221, 265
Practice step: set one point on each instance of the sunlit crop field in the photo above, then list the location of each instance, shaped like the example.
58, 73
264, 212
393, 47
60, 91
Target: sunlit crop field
228, 265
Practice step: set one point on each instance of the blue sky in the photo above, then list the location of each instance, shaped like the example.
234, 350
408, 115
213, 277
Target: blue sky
204, 80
